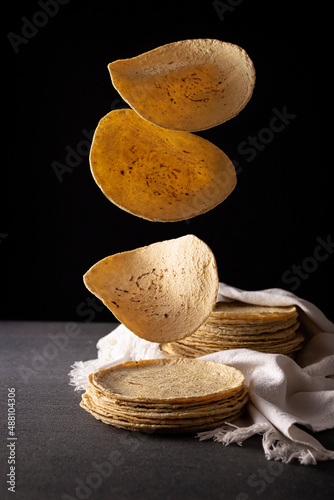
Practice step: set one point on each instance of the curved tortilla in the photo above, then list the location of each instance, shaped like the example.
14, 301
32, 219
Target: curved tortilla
155, 173
161, 292
187, 85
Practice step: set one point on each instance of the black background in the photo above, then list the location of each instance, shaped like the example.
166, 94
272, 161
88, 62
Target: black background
57, 86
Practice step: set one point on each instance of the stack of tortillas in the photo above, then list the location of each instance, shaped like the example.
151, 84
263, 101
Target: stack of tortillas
238, 325
165, 395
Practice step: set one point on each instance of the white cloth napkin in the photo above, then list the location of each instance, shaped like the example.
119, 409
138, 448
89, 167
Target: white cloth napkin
287, 397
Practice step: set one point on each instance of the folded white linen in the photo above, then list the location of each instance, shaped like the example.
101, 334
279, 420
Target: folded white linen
287, 397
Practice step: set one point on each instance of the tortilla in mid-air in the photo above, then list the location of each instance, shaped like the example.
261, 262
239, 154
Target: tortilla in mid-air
155, 173
161, 292
186, 85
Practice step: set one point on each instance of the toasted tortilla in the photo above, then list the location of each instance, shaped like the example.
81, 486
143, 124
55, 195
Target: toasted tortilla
158, 174
186, 85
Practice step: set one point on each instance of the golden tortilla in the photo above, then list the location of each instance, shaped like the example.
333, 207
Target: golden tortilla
186, 85
158, 174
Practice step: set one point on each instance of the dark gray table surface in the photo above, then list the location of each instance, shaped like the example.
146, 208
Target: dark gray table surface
62, 452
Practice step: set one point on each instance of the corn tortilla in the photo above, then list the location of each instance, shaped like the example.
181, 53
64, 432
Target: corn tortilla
161, 292
186, 85
237, 325
158, 174
98, 400
166, 395
166, 380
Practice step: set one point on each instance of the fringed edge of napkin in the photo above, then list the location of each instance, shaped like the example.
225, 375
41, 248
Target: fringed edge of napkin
275, 445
